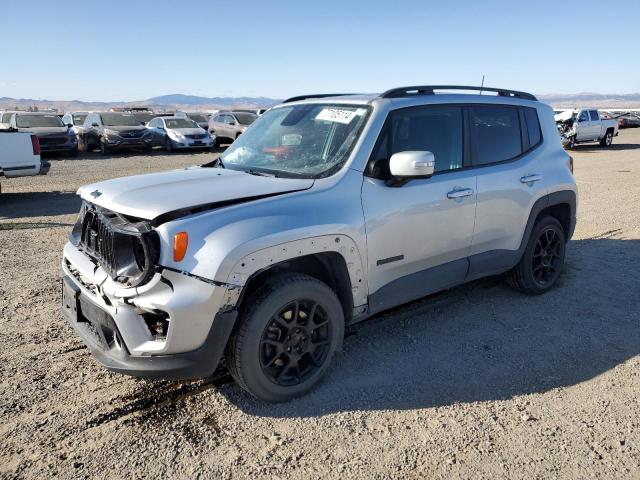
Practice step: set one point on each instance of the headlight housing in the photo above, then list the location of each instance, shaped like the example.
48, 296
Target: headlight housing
111, 133
175, 135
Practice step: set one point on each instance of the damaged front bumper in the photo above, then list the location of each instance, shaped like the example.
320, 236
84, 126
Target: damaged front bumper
175, 326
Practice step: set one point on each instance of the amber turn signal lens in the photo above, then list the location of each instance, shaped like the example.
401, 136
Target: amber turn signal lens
180, 244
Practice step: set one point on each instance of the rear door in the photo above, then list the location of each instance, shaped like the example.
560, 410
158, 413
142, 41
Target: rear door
506, 157
595, 125
419, 233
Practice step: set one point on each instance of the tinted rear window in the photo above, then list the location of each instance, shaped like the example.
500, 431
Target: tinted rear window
495, 131
594, 115
533, 126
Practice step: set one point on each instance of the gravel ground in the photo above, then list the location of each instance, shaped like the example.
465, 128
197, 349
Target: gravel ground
475, 382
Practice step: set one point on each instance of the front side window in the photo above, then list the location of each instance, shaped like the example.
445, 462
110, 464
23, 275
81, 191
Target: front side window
584, 117
29, 121
309, 140
244, 118
495, 133
434, 129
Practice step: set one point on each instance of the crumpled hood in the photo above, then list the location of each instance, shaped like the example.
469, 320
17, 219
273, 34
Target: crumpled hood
151, 195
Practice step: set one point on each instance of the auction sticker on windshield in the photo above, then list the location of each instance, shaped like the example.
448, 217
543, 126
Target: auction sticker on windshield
338, 115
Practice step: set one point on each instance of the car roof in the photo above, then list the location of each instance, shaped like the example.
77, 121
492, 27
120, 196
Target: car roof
424, 94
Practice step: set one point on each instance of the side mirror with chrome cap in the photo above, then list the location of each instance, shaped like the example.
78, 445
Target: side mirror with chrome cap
411, 164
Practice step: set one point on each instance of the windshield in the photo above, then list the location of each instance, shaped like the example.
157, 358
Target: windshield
144, 117
119, 119
310, 140
78, 118
180, 123
197, 117
245, 118
27, 121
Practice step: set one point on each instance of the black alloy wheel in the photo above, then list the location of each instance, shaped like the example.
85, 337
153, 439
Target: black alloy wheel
295, 344
547, 259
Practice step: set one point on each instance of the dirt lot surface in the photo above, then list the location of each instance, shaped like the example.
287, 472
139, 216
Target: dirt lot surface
476, 382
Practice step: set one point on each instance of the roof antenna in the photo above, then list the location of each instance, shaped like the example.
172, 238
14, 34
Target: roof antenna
482, 85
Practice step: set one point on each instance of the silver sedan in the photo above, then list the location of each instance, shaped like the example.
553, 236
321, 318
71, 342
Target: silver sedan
179, 133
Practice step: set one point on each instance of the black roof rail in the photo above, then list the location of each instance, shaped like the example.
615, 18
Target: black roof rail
316, 95
430, 90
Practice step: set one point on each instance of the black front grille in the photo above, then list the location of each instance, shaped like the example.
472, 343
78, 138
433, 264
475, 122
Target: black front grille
128, 251
196, 137
132, 134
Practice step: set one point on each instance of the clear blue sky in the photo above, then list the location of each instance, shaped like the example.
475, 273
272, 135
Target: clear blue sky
134, 49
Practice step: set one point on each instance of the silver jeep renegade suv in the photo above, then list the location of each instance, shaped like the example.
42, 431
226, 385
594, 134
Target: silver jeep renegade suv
326, 211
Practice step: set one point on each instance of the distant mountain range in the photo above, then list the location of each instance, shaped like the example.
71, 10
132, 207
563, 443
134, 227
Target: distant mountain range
629, 100
180, 101
176, 101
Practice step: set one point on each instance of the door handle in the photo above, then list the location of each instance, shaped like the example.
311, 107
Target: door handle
463, 192
530, 178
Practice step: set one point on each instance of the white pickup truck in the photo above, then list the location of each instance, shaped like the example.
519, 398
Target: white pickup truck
20, 155
585, 125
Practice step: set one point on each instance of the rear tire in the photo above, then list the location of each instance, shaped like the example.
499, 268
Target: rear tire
542, 260
286, 336
607, 140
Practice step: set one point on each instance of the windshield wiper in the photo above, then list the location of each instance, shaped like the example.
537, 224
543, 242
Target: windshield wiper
214, 163
260, 174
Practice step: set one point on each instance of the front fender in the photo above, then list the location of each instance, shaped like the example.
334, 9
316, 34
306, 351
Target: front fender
249, 261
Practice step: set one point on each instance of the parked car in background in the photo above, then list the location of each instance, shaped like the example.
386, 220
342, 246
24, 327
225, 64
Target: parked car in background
20, 155
5, 119
76, 120
144, 116
201, 118
227, 126
585, 125
329, 211
52, 133
110, 131
179, 133
628, 120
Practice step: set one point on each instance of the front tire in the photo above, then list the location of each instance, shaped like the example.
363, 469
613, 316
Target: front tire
286, 337
104, 148
542, 260
572, 142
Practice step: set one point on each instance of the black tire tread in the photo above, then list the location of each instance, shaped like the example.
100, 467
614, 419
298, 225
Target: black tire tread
249, 306
517, 277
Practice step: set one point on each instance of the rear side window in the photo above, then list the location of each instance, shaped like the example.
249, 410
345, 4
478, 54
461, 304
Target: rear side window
496, 133
533, 126
594, 115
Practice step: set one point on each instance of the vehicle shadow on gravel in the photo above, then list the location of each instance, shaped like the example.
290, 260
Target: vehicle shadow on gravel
38, 204
484, 342
614, 146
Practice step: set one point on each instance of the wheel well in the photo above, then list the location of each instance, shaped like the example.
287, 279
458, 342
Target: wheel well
328, 267
610, 129
562, 213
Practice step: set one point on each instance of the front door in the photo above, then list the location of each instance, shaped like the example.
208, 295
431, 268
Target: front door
419, 233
